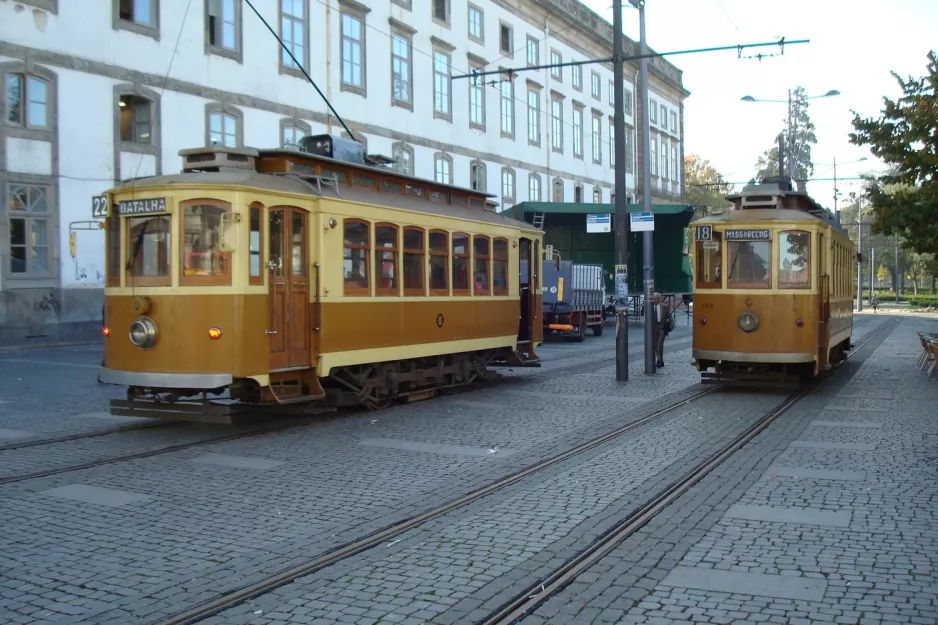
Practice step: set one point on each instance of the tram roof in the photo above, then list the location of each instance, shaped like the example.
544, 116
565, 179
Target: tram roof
760, 214
294, 185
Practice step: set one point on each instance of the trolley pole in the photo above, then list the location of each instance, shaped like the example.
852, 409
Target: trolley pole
648, 255
621, 207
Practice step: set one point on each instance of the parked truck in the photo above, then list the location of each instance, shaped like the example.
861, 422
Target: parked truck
574, 297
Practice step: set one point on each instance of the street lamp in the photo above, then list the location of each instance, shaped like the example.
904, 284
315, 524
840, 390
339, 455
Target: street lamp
749, 98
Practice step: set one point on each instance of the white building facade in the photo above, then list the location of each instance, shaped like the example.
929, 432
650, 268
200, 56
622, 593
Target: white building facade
97, 91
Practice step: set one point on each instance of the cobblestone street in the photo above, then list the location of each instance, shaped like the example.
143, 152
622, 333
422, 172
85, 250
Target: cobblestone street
826, 515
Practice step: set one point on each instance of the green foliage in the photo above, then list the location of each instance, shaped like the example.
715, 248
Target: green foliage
905, 201
704, 185
767, 164
798, 144
921, 300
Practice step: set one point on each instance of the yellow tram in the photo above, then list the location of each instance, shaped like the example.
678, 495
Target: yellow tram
773, 295
308, 277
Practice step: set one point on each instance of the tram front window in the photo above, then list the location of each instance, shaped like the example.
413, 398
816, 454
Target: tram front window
710, 262
749, 264
794, 260
148, 247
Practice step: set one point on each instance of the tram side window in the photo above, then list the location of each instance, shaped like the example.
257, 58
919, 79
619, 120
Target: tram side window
749, 264
439, 263
113, 250
461, 263
148, 250
203, 244
794, 260
480, 272
386, 251
256, 275
500, 267
355, 257
710, 262
413, 261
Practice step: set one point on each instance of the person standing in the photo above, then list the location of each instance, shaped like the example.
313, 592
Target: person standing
662, 327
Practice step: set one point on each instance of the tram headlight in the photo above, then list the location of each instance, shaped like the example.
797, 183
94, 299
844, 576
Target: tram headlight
748, 322
143, 332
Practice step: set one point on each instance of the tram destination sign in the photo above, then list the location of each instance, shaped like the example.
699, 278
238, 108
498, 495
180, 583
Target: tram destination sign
142, 207
747, 234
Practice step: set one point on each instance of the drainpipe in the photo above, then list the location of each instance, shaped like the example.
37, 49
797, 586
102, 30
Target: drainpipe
329, 63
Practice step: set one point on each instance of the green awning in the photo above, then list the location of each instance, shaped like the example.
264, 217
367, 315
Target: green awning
584, 208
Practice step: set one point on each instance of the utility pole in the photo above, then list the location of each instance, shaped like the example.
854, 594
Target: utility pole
872, 266
621, 207
648, 257
859, 248
791, 140
897, 268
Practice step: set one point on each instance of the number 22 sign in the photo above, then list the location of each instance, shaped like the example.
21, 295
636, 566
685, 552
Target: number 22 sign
99, 206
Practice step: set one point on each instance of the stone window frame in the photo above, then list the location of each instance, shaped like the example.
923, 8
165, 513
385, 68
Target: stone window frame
577, 77
674, 123
612, 93
226, 109
596, 86
664, 167
141, 29
534, 88
579, 136
480, 166
675, 178
303, 58
217, 49
507, 134
509, 52
439, 46
154, 147
578, 190
556, 72
359, 12
653, 157
597, 194
52, 6
470, 8
404, 31
664, 118
557, 183
534, 178
409, 150
477, 63
596, 121
446, 22
652, 111
556, 144
404, 4
293, 122
629, 150
508, 175
49, 134
527, 51
627, 104
443, 157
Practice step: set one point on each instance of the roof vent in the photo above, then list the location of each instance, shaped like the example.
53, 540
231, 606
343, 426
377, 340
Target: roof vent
218, 158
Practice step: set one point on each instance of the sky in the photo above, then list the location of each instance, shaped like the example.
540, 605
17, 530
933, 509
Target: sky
853, 47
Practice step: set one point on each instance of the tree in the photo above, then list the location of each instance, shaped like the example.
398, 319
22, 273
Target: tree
704, 186
882, 274
767, 164
798, 145
905, 200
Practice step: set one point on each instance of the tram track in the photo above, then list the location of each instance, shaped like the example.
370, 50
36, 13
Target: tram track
536, 594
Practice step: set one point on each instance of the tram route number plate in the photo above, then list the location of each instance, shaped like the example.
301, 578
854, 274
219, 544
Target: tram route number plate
99, 207
142, 207
704, 233
747, 234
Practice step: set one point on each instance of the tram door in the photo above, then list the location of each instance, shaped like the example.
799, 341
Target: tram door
288, 289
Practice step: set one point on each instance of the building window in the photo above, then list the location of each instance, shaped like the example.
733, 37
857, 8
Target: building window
403, 154
477, 176
353, 53
532, 51
136, 119
674, 122
558, 190
534, 187
664, 158
443, 168
612, 94
224, 27
293, 33
597, 195
506, 40
292, 131
224, 126
653, 112
577, 132
508, 184
441, 11
31, 237
627, 105
140, 16
442, 100
629, 162
654, 156
577, 193
556, 117
577, 77
401, 70
27, 101
507, 107
477, 101
476, 24
612, 144
534, 117
555, 59
597, 140
664, 117
596, 88
674, 171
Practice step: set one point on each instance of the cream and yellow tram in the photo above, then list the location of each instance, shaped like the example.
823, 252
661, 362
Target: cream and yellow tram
773, 295
308, 277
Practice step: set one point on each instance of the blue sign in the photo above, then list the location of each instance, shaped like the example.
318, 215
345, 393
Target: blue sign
642, 222
599, 222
